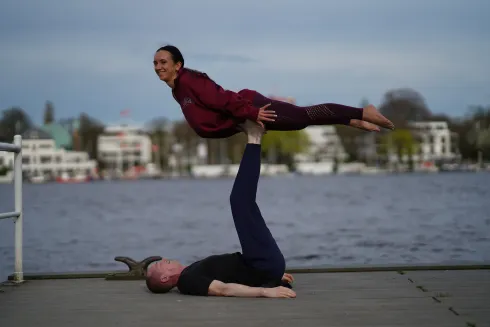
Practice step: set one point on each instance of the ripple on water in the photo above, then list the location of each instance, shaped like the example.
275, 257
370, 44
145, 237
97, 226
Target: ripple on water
316, 221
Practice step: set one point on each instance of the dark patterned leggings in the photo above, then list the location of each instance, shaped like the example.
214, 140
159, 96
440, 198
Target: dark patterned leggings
291, 117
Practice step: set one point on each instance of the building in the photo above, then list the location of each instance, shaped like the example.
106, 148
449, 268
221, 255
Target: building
122, 147
72, 126
325, 145
367, 147
42, 158
433, 141
6, 160
437, 142
61, 136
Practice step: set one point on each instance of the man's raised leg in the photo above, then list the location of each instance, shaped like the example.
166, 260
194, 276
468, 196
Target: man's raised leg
258, 245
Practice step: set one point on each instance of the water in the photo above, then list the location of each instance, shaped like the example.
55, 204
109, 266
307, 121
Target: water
330, 220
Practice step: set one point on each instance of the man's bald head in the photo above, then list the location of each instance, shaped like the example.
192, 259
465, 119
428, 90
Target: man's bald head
163, 275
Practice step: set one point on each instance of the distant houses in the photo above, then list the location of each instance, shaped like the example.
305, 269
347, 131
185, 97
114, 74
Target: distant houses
53, 151
46, 155
433, 143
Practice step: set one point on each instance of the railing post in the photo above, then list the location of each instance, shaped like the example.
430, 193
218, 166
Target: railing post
18, 273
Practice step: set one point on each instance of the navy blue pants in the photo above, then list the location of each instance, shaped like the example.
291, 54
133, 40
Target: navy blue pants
259, 248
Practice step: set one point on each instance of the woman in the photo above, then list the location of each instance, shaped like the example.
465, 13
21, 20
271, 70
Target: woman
214, 112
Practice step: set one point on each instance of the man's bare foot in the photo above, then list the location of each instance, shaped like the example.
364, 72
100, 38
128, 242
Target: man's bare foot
364, 125
250, 127
372, 115
253, 130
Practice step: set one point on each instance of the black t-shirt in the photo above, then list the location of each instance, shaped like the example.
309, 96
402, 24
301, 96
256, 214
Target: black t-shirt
227, 268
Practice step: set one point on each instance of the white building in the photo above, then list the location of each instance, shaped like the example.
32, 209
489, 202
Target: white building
122, 147
367, 147
325, 145
41, 158
437, 142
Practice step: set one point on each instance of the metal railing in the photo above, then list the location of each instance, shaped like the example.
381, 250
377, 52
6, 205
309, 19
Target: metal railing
16, 148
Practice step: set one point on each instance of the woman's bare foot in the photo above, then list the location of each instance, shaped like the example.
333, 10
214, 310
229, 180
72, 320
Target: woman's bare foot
372, 115
364, 125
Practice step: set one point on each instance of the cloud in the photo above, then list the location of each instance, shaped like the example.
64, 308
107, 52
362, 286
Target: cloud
94, 55
220, 57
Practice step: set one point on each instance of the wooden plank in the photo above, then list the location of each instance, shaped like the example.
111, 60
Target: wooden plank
466, 293
469, 275
96, 302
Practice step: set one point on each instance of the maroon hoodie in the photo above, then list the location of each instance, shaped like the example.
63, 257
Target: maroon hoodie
210, 110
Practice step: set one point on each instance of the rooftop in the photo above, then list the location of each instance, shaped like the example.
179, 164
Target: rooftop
36, 134
60, 135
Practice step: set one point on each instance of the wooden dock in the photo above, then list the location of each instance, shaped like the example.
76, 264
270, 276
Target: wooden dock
436, 298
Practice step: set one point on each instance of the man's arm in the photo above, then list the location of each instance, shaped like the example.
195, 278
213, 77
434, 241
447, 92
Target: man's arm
218, 288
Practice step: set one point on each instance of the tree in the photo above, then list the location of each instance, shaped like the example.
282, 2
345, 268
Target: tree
90, 130
159, 131
14, 121
281, 146
48, 113
364, 103
401, 142
235, 145
474, 133
188, 139
404, 105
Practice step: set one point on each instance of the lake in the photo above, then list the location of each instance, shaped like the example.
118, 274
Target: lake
316, 220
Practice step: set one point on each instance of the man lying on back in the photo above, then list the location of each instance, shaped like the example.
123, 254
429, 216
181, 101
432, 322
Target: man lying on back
258, 271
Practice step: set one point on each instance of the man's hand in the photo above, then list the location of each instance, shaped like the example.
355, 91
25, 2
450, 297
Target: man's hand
265, 115
288, 278
279, 292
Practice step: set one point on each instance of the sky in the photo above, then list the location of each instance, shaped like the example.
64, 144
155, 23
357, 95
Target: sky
96, 56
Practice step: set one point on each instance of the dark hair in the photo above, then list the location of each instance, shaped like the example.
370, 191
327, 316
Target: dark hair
175, 52
178, 57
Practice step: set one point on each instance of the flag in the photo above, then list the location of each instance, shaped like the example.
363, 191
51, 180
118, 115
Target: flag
125, 112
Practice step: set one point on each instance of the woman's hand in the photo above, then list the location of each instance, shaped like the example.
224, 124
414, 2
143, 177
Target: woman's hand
265, 115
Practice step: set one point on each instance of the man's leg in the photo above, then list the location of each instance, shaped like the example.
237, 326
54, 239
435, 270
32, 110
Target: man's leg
259, 248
